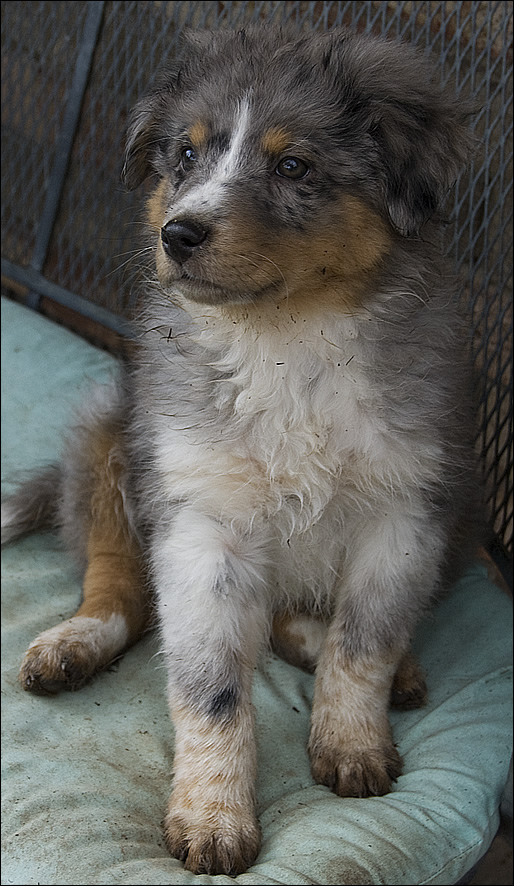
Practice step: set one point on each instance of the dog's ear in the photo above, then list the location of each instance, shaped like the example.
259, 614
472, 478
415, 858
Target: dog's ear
420, 137
150, 118
141, 136
423, 141
145, 133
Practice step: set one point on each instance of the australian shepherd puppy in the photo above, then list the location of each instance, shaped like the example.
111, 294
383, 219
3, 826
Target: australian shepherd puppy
289, 451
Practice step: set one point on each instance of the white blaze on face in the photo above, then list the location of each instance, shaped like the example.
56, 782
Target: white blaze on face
210, 193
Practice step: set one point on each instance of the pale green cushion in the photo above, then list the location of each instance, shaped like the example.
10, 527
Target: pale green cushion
86, 775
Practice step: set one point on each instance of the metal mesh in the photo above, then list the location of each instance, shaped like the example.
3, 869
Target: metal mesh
36, 78
83, 239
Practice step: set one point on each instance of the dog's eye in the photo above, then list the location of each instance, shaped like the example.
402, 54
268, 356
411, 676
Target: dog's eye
188, 157
292, 167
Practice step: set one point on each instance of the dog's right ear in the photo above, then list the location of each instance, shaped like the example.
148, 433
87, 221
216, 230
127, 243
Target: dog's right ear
145, 133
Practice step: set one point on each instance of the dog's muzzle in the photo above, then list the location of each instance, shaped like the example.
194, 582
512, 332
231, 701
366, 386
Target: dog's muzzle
181, 238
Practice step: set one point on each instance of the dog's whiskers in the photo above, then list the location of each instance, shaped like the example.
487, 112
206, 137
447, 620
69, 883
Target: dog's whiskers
132, 255
270, 260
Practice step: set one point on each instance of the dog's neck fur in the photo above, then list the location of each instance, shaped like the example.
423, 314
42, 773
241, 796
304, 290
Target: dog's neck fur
281, 362
293, 396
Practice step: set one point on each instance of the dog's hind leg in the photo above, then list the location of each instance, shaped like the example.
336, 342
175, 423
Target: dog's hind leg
114, 612
409, 689
298, 638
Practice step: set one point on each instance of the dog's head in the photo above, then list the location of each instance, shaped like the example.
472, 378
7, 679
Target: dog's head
288, 162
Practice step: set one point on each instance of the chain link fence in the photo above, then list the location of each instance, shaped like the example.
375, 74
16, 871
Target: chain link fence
72, 71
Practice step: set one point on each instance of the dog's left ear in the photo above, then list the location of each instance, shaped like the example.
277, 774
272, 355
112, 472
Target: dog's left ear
423, 141
419, 132
422, 149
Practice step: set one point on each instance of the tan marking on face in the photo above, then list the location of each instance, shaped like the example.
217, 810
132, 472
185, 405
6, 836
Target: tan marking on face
333, 268
156, 209
275, 140
156, 206
198, 135
341, 257
367, 238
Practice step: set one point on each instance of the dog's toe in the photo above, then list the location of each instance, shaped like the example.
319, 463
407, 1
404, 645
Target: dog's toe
48, 668
66, 656
224, 847
366, 772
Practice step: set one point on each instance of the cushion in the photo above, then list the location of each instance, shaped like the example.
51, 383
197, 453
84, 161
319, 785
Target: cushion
86, 775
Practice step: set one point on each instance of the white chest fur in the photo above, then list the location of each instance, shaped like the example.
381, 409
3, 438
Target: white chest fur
297, 411
300, 397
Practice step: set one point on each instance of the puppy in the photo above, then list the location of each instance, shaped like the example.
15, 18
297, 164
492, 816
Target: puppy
290, 449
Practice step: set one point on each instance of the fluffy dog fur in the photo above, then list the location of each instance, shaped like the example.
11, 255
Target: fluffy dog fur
290, 450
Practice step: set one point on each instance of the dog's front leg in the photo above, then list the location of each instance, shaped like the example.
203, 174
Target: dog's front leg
387, 582
213, 620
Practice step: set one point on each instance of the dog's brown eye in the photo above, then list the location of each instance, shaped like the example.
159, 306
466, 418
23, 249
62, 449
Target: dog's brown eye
188, 157
292, 167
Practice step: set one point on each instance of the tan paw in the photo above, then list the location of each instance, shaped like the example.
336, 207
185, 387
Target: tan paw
409, 688
362, 772
223, 844
68, 655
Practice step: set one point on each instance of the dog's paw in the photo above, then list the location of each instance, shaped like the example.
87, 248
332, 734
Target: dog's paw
358, 772
68, 655
52, 664
409, 689
225, 844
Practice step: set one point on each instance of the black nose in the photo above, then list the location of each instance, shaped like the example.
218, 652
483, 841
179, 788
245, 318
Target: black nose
180, 238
